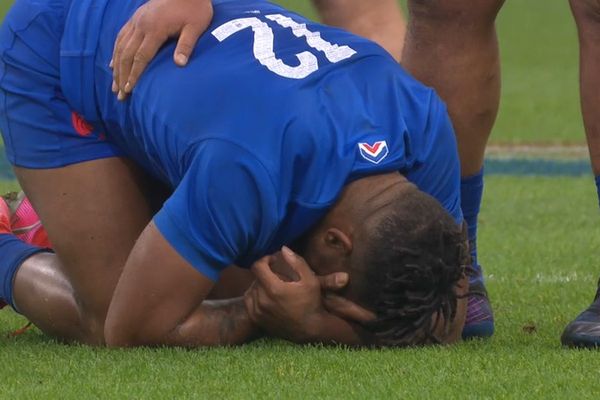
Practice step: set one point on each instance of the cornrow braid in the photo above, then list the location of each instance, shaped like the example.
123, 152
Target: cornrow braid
416, 256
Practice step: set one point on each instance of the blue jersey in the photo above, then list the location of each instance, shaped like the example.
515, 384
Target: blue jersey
259, 134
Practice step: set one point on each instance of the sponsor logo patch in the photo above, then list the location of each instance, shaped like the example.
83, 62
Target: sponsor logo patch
374, 153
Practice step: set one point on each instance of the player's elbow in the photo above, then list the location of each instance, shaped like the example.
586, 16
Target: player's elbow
122, 329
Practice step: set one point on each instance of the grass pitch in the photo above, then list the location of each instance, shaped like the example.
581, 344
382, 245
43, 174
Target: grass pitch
540, 253
539, 243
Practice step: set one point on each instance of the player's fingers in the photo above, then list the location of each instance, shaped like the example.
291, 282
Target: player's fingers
253, 306
263, 304
334, 281
347, 309
123, 37
143, 56
126, 61
267, 278
117, 63
282, 269
262, 301
186, 43
298, 264
249, 301
190, 33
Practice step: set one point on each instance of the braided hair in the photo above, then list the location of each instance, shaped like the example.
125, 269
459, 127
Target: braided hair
414, 258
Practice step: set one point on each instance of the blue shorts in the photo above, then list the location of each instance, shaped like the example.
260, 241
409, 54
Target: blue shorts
39, 128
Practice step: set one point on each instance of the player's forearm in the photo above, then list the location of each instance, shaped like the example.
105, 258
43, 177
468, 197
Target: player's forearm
212, 323
215, 323
226, 322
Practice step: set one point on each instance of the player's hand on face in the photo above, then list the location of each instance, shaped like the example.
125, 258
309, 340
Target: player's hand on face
333, 302
148, 29
286, 301
346, 309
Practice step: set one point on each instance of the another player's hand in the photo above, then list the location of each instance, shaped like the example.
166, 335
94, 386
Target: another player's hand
148, 29
294, 309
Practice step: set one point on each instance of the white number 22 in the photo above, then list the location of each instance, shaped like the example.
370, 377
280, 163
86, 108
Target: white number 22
264, 43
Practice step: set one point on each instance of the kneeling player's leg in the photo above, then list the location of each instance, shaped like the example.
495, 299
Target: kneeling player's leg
93, 213
90, 201
584, 331
452, 46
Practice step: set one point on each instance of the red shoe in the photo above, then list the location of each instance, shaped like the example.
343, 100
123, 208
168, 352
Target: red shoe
24, 221
18, 217
4, 217
4, 228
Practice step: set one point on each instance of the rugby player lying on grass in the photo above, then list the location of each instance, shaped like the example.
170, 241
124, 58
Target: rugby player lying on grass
277, 135
382, 21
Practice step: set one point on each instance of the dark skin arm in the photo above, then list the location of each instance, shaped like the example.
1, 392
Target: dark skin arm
160, 300
148, 29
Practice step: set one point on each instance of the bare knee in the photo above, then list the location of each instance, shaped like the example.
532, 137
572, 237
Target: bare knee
320, 4
92, 311
93, 330
586, 12
91, 321
465, 13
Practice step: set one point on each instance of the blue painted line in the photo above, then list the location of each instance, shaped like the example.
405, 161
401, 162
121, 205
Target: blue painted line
537, 167
509, 166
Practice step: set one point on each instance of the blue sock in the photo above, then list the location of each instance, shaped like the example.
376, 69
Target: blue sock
471, 192
13, 252
598, 187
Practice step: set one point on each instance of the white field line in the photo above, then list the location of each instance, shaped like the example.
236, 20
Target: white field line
547, 278
537, 151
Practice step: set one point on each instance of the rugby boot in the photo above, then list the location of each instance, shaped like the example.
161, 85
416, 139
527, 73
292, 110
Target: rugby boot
4, 228
479, 322
18, 217
24, 221
584, 331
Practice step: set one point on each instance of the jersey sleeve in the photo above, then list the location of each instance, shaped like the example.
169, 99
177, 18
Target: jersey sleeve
224, 209
440, 175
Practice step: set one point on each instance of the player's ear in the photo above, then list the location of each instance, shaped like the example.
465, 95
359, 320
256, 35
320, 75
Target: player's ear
338, 241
